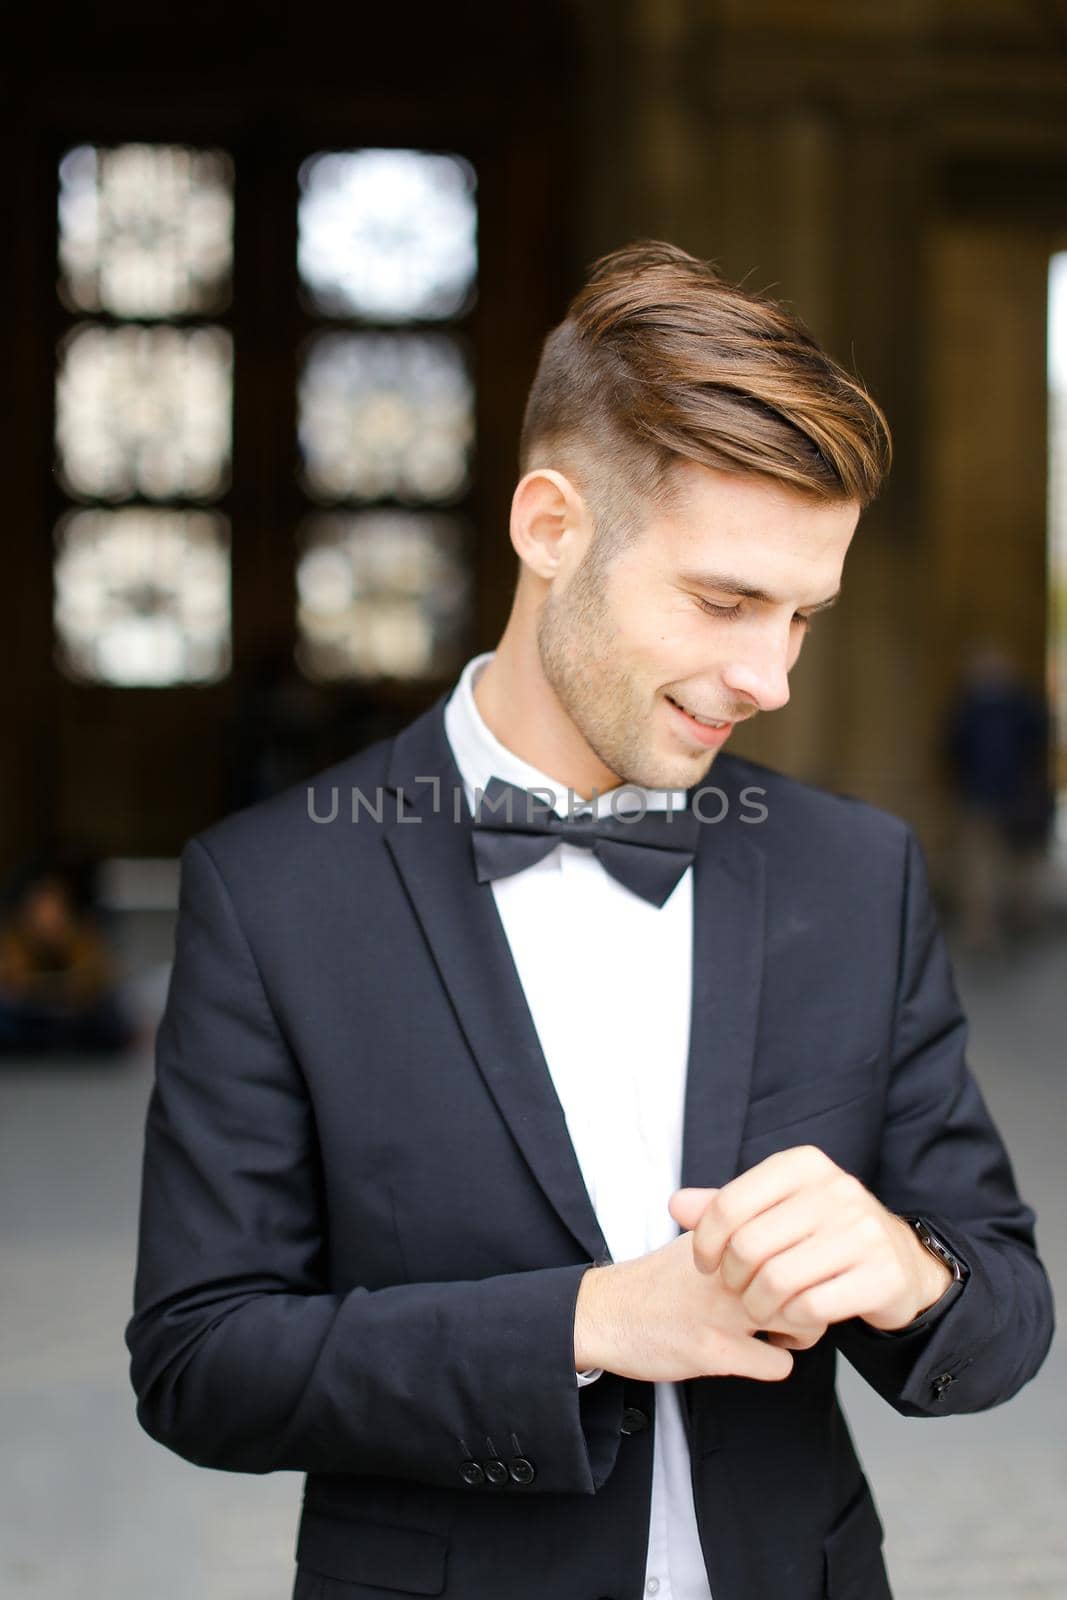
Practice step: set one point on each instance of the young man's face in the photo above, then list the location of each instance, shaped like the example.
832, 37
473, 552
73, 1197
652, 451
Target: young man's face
633, 650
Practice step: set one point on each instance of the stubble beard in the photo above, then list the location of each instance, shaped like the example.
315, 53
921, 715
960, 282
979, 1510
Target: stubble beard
578, 645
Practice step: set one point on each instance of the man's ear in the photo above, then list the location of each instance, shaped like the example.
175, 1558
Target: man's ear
547, 515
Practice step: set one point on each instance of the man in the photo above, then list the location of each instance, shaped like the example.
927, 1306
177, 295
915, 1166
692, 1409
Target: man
543, 1097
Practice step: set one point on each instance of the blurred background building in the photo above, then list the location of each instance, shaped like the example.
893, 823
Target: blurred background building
276, 278
276, 289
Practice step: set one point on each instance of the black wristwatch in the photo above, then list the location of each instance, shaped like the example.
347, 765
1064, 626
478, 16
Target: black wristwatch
959, 1270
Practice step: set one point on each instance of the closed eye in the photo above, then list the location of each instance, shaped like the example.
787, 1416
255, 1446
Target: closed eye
709, 606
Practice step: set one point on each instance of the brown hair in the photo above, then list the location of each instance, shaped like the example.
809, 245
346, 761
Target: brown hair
659, 358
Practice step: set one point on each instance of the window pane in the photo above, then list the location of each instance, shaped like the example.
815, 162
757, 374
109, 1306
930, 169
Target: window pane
144, 411
145, 230
381, 593
142, 596
386, 415
388, 234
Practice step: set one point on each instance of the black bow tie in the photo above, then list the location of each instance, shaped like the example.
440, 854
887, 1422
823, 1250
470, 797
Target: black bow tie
513, 828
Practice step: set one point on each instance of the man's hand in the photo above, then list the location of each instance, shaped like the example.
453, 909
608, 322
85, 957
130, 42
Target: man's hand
802, 1242
661, 1319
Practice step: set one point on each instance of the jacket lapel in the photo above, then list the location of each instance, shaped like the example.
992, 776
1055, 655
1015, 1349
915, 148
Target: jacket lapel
728, 931
432, 852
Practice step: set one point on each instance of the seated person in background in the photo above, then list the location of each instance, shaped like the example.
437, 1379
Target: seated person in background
58, 983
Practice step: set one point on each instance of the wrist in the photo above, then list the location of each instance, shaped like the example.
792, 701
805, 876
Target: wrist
938, 1277
588, 1344
951, 1270
929, 1278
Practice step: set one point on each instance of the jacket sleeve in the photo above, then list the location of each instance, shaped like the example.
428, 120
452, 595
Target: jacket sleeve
242, 1357
942, 1158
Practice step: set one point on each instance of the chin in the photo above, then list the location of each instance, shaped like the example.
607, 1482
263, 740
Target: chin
675, 773
690, 773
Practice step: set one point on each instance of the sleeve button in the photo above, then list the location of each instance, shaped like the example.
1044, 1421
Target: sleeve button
496, 1472
522, 1471
472, 1474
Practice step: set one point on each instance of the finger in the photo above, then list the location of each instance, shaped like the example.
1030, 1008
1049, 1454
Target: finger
687, 1206
755, 1358
854, 1293
796, 1341
755, 1191
792, 1276
784, 1225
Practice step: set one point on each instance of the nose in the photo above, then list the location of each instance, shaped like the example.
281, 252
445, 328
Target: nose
761, 676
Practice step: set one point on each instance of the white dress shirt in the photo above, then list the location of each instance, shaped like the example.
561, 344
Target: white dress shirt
607, 979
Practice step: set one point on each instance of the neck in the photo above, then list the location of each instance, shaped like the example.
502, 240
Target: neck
520, 708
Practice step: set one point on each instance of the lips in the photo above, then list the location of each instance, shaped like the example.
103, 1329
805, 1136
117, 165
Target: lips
707, 722
704, 734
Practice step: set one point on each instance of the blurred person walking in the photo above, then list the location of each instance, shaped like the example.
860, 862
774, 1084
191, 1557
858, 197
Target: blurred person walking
998, 755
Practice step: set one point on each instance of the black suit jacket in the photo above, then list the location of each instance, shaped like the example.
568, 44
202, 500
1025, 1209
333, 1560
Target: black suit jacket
363, 1223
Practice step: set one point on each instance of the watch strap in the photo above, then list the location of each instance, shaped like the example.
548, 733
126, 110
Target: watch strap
933, 1242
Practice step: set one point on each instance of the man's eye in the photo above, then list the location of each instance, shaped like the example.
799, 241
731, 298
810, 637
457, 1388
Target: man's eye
713, 610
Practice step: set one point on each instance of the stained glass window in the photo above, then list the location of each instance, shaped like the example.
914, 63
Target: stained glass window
142, 595
145, 230
388, 235
381, 593
144, 411
386, 415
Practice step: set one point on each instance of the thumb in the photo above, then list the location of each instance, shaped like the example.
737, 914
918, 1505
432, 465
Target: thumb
687, 1206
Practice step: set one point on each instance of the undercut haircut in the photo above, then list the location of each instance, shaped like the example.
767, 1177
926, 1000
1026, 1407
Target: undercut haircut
660, 359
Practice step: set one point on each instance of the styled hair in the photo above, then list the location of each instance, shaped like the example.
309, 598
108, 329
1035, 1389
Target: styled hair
658, 357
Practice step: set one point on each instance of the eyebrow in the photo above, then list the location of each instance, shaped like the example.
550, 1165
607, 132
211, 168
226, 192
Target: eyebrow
725, 584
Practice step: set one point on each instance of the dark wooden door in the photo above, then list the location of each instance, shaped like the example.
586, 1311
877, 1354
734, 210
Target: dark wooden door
134, 770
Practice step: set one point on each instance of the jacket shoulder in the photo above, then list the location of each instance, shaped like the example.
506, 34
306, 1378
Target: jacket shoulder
271, 830
801, 817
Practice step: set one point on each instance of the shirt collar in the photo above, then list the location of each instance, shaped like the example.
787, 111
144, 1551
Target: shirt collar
480, 756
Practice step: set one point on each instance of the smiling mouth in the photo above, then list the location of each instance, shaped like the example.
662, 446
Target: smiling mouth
707, 722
